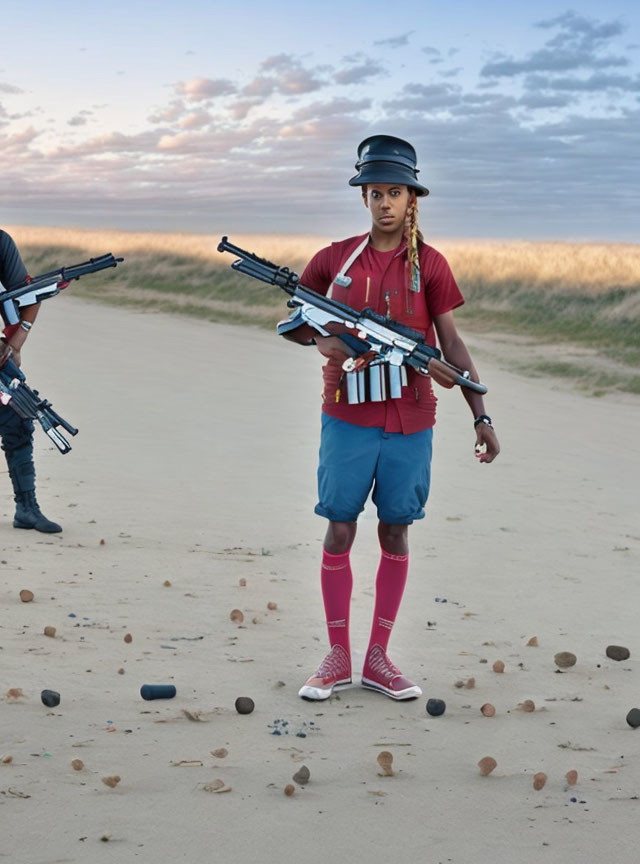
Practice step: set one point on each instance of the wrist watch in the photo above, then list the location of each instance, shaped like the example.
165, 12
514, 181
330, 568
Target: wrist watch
482, 418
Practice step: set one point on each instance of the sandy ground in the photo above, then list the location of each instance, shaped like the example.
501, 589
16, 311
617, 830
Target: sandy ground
196, 464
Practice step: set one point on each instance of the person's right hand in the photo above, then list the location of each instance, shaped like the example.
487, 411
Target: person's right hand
333, 348
6, 352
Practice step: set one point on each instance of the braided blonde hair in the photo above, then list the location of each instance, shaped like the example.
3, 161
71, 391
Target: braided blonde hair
412, 235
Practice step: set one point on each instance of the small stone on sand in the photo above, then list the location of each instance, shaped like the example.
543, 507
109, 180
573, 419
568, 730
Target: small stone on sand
533, 642
242, 582
272, 606
470, 683
245, 705
14, 693
633, 718
50, 631
289, 789
528, 705
459, 684
302, 775
121, 671
385, 761
539, 780
26, 596
436, 707
565, 659
111, 781
216, 786
50, 698
77, 764
488, 710
486, 765
220, 753
128, 638
6, 760
167, 583
498, 667
618, 652
103, 542
236, 616
571, 778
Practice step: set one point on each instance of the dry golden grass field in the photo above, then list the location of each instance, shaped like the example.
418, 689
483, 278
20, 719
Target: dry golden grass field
564, 309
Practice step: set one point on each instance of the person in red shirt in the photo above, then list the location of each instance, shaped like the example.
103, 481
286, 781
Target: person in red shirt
382, 445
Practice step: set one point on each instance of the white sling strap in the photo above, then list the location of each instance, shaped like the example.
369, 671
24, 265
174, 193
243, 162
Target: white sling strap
342, 279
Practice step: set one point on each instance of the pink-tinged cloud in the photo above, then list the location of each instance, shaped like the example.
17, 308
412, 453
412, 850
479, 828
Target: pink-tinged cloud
239, 110
172, 112
284, 73
199, 89
195, 120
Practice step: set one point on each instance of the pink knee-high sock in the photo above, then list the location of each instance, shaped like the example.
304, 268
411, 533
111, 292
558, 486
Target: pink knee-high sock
390, 582
337, 581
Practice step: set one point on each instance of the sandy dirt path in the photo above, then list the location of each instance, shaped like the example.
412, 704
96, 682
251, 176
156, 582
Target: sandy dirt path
196, 464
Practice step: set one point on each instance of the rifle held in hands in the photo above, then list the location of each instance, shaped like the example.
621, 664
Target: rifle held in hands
27, 403
393, 342
47, 285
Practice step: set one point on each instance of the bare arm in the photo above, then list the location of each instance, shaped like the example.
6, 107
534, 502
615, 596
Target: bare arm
28, 314
456, 352
329, 346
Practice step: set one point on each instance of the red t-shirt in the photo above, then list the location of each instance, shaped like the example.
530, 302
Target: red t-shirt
379, 281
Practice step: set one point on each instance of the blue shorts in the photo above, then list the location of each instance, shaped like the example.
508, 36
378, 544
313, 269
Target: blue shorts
355, 459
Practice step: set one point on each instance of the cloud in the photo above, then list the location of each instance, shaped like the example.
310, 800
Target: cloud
173, 111
239, 109
199, 89
9, 88
195, 120
396, 41
593, 84
334, 108
541, 100
361, 72
425, 98
575, 46
260, 87
586, 29
450, 73
285, 74
431, 51
508, 154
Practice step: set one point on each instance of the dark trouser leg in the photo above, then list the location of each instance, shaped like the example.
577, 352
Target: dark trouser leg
17, 443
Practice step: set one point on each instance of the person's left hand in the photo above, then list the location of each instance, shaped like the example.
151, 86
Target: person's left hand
487, 446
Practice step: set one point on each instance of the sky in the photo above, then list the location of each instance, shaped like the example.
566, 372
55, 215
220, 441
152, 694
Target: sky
227, 117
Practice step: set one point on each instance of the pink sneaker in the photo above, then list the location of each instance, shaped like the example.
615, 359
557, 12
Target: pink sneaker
380, 674
333, 673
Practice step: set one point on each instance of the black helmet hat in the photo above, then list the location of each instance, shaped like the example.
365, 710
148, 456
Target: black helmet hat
385, 159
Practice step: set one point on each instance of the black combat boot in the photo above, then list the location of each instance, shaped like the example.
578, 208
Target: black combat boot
23, 475
29, 515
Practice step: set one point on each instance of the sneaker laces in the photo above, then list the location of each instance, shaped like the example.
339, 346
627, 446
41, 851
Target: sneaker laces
379, 663
334, 665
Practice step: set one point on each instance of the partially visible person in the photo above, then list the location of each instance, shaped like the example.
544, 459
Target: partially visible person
16, 433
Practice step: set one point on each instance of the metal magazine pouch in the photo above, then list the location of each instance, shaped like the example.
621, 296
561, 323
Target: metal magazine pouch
377, 382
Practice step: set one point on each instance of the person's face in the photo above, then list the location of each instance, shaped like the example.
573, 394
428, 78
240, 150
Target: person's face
388, 204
